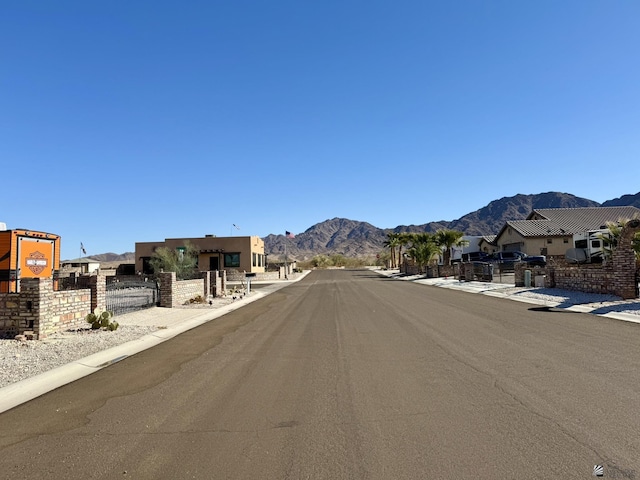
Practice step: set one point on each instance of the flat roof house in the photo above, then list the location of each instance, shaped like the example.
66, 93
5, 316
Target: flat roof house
549, 231
214, 253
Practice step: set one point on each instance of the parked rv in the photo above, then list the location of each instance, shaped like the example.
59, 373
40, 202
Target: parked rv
589, 246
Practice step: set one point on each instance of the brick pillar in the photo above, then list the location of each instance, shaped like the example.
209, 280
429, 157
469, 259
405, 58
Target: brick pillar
167, 285
468, 272
34, 304
98, 286
223, 282
206, 276
624, 262
217, 284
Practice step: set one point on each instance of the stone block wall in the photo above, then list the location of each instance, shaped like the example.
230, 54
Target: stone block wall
174, 293
589, 278
11, 305
519, 269
41, 310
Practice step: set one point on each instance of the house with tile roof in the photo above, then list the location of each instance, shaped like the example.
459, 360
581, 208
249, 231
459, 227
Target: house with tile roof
549, 231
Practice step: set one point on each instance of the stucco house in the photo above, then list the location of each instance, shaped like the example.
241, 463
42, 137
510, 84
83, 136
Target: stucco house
215, 253
549, 231
80, 265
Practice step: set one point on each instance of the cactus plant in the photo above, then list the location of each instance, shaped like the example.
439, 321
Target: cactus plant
102, 319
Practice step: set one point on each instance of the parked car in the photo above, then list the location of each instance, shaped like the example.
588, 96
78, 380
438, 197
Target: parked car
505, 257
535, 260
474, 257
513, 257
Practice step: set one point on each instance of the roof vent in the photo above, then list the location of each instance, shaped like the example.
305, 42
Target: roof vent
3, 226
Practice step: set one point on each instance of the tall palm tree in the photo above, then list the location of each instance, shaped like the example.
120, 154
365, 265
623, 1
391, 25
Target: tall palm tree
391, 244
446, 239
404, 238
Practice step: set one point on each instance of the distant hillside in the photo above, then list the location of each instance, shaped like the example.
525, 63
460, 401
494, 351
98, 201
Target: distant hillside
490, 219
631, 200
128, 257
339, 235
354, 238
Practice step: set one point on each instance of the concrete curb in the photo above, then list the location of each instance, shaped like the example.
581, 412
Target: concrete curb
25, 390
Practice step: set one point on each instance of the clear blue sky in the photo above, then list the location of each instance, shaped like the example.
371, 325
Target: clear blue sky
131, 121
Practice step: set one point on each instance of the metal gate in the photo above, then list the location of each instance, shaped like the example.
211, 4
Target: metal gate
128, 294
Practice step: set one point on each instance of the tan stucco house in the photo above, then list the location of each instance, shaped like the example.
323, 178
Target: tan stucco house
549, 231
215, 253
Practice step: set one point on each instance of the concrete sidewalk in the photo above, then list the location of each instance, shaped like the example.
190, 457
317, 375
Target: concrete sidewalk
170, 322
602, 305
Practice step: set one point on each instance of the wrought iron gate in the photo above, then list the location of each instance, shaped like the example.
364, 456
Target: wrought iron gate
128, 294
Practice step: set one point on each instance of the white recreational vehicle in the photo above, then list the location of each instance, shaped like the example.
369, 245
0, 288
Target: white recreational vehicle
591, 246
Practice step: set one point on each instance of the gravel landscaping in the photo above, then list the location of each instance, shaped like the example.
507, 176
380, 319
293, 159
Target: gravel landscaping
24, 359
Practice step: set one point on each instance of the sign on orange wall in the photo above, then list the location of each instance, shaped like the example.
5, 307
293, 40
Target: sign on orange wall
36, 258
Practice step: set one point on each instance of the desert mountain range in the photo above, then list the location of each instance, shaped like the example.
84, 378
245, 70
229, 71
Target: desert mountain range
355, 238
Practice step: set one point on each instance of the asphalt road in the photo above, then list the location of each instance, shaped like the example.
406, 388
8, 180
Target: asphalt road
347, 374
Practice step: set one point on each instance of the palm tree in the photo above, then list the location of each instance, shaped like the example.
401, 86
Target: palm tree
392, 243
609, 243
403, 239
423, 248
446, 239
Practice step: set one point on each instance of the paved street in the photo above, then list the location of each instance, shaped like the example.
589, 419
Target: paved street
347, 374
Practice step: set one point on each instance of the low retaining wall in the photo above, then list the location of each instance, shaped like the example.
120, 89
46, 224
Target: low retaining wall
433, 271
39, 309
174, 293
586, 278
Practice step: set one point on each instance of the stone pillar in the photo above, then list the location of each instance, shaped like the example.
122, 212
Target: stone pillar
206, 276
34, 304
468, 272
167, 285
217, 284
624, 261
98, 286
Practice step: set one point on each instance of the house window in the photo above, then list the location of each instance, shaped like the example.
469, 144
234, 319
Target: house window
565, 240
232, 260
255, 259
549, 240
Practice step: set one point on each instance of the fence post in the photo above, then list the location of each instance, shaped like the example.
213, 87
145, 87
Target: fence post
624, 261
206, 276
167, 285
98, 286
223, 282
33, 304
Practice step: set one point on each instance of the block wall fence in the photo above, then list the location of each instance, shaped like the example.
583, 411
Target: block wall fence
40, 311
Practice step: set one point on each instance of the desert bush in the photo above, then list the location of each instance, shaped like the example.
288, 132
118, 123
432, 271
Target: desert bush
101, 319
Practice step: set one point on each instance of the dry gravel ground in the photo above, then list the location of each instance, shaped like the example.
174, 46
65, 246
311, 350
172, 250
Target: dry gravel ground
25, 359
